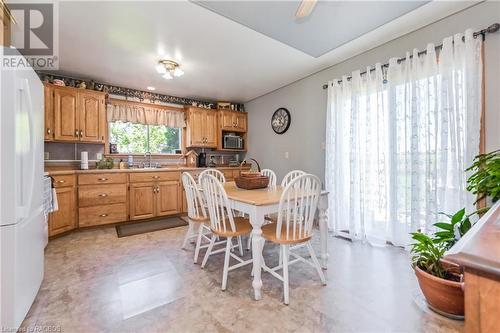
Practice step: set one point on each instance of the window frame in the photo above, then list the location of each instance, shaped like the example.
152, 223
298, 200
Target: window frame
159, 155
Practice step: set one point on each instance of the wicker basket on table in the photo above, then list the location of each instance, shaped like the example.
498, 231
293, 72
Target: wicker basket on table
251, 180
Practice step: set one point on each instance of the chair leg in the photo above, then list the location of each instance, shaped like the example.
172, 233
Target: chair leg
226, 263
188, 235
209, 249
198, 243
285, 248
240, 246
280, 260
316, 263
249, 243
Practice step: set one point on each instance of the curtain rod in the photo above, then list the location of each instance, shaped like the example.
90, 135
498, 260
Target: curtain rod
491, 29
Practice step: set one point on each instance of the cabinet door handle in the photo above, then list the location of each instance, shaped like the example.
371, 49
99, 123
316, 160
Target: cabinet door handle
102, 179
103, 215
49, 131
61, 181
81, 133
157, 189
156, 177
76, 133
103, 195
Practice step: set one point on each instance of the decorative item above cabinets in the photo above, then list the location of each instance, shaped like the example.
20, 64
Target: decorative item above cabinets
280, 121
74, 115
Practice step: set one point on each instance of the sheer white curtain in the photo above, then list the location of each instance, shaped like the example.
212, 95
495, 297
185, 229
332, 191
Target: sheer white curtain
396, 151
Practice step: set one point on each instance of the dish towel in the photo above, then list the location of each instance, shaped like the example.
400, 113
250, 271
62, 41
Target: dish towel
49, 197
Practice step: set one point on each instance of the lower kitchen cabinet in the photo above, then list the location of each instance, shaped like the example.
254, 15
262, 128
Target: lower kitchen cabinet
65, 218
97, 215
154, 199
142, 201
168, 198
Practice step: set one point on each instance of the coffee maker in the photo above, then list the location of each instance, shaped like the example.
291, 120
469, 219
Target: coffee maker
202, 159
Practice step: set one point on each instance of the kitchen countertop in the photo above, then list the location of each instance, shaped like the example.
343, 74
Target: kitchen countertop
164, 169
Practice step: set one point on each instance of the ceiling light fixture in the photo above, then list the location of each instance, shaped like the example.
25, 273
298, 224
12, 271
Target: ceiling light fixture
168, 69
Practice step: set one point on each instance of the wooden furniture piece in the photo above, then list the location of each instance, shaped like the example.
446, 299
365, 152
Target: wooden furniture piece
272, 176
294, 226
479, 253
197, 215
102, 198
154, 194
64, 219
223, 224
5, 17
74, 115
233, 121
201, 130
261, 202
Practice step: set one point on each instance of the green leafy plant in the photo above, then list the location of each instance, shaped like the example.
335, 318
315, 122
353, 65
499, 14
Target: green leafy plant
485, 180
449, 232
427, 253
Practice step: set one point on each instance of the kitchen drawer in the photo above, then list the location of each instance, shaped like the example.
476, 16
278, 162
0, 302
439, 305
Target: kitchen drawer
64, 181
102, 178
91, 195
105, 214
139, 177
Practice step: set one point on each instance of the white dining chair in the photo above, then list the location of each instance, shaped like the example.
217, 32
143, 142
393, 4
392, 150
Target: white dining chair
291, 176
197, 215
272, 176
224, 224
214, 172
294, 227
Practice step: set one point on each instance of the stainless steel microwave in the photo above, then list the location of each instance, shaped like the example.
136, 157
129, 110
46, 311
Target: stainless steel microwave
232, 141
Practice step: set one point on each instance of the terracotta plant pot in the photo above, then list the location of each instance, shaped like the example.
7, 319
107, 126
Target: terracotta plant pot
442, 295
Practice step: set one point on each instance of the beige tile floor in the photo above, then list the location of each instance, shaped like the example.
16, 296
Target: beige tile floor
96, 282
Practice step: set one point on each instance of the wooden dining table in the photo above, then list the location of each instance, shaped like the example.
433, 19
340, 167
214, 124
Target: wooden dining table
261, 202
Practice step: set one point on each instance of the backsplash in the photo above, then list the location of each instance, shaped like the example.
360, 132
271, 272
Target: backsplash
71, 151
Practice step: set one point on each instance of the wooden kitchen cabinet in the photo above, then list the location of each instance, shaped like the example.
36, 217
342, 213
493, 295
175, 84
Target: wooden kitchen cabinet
201, 128
65, 114
63, 219
142, 201
233, 121
5, 35
78, 115
48, 94
91, 113
168, 198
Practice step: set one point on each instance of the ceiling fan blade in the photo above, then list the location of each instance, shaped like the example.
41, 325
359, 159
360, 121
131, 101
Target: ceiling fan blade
305, 8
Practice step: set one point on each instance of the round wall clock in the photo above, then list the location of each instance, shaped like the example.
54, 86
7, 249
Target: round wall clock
280, 121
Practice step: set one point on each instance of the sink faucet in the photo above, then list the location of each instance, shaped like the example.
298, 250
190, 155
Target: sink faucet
147, 156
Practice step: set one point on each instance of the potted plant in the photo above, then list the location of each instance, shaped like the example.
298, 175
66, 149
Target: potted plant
442, 282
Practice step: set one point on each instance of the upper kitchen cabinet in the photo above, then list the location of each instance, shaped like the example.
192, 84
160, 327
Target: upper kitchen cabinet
48, 93
91, 114
233, 121
74, 115
201, 128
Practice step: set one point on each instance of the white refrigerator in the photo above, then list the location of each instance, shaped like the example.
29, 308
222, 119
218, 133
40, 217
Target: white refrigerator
22, 224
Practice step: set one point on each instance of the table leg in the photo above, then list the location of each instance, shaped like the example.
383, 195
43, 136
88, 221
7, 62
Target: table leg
256, 219
323, 229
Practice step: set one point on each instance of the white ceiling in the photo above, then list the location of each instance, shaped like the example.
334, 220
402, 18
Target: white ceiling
120, 42
331, 24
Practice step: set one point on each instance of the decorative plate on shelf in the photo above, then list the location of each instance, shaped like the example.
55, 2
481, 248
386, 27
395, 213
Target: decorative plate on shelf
280, 121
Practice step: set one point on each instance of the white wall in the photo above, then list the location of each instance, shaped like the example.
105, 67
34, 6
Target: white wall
306, 100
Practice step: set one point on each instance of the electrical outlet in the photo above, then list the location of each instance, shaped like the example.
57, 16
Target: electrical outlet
46, 155
99, 156
287, 155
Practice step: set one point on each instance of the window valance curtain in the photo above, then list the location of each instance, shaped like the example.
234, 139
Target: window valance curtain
396, 151
144, 114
